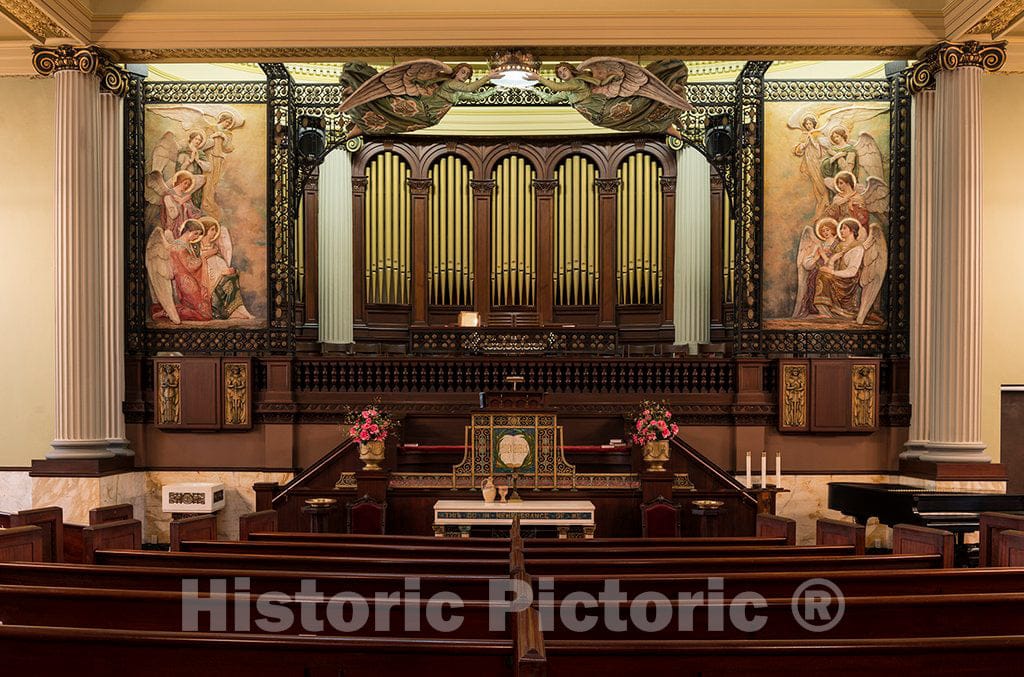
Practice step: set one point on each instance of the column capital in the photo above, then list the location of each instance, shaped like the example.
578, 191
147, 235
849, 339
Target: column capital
88, 60
668, 184
607, 186
420, 186
545, 186
359, 184
949, 56
482, 186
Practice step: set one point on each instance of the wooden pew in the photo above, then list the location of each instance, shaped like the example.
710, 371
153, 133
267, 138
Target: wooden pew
111, 513
377, 539
908, 539
773, 526
907, 657
867, 582
238, 613
22, 544
555, 552
199, 527
990, 524
467, 586
874, 616
51, 521
581, 543
1010, 549
202, 560
839, 532
412, 552
252, 522
45, 651
126, 534
723, 565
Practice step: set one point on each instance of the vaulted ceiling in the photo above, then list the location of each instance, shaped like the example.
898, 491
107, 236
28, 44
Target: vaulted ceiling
319, 30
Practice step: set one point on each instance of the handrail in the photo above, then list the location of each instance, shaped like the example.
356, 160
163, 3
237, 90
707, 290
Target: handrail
299, 479
714, 470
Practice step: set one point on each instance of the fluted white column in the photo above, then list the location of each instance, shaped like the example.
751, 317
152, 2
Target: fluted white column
80, 426
111, 139
334, 247
692, 311
954, 404
921, 234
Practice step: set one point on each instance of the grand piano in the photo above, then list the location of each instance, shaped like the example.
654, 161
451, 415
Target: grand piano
902, 504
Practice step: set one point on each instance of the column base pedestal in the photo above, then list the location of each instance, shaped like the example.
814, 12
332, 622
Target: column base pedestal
82, 467
913, 449
119, 448
953, 471
79, 449
943, 452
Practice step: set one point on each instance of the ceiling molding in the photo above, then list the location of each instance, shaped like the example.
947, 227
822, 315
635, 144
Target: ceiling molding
641, 52
74, 17
33, 21
1001, 19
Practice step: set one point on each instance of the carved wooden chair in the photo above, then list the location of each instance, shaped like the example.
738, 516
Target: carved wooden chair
660, 518
366, 516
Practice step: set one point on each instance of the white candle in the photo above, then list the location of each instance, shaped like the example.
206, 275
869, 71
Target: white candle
764, 469
749, 482
778, 469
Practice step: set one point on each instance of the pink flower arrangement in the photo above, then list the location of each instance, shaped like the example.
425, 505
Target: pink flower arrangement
370, 425
653, 423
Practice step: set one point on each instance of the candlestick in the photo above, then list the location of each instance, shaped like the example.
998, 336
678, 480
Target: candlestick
764, 469
750, 483
778, 469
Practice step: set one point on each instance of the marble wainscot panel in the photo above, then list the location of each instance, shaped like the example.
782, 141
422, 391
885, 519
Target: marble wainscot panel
239, 499
983, 487
15, 491
78, 495
807, 502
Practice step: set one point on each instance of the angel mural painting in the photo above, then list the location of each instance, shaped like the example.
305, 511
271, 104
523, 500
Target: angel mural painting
192, 206
830, 208
413, 95
619, 94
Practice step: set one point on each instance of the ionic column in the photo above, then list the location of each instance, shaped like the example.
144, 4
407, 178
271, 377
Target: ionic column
923, 175
954, 388
334, 247
80, 421
692, 303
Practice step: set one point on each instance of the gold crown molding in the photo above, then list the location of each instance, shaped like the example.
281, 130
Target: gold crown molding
1001, 18
29, 18
949, 56
744, 52
90, 60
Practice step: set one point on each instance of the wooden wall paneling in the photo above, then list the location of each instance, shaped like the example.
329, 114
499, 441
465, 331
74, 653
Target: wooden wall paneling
544, 194
310, 253
420, 193
238, 393
608, 204
188, 393
830, 396
483, 191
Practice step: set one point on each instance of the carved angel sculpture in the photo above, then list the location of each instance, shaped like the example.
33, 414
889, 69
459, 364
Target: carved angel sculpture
410, 96
622, 95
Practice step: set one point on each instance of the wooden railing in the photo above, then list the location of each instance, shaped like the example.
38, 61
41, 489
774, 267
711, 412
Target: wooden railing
604, 375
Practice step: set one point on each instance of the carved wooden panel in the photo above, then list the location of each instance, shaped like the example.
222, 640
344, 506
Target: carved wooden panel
237, 402
794, 393
187, 392
830, 395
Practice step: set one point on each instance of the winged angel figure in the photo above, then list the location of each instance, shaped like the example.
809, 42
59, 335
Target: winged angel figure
413, 95
834, 261
204, 150
826, 148
622, 95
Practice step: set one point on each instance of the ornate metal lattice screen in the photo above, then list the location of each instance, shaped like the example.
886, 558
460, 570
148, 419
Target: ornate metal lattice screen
513, 234
576, 236
451, 233
388, 226
640, 231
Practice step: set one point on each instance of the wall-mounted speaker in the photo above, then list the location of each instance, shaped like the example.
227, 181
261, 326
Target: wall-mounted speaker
719, 137
311, 139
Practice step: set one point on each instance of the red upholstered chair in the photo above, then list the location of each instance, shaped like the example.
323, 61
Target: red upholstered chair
660, 518
366, 516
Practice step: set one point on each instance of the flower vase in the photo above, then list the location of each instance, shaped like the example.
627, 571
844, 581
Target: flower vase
656, 455
371, 454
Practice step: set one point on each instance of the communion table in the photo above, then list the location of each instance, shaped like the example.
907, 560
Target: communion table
456, 518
